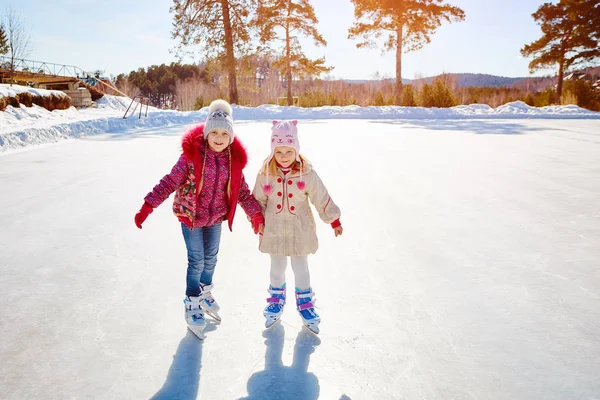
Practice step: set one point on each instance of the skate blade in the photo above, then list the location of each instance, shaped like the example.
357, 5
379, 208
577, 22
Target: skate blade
213, 315
199, 332
314, 328
271, 321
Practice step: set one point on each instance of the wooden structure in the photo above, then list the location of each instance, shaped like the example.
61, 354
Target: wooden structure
66, 78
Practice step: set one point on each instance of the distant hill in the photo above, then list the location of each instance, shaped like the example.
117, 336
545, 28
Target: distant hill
534, 84
462, 80
477, 80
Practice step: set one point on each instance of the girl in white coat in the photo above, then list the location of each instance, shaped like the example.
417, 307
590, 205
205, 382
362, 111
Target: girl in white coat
283, 187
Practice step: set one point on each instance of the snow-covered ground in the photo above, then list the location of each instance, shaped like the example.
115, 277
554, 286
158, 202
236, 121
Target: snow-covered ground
468, 267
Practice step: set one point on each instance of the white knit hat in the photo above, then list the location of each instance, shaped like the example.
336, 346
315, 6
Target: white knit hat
219, 116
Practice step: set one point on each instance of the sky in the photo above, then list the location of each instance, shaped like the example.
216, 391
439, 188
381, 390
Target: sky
121, 36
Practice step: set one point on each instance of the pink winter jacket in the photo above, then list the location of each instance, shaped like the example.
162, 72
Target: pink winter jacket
200, 167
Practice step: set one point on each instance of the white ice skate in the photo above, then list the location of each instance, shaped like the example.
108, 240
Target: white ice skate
275, 305
209, 304
304, 303
194, 316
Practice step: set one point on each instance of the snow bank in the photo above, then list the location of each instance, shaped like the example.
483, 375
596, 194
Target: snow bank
7, 90
24, 126
516, 109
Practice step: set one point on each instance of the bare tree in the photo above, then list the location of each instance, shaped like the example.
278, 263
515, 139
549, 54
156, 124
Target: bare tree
17, 38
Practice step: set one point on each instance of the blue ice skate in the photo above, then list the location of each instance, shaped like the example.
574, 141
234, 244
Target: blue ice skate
275, 305
306, 308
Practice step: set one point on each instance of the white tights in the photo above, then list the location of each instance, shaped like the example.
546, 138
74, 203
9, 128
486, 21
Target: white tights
299, 266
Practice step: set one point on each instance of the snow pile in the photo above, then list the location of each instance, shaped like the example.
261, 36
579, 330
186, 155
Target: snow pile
24, 126
113, 102
48, 128
121, 103
516, 109
7, 90
520, 109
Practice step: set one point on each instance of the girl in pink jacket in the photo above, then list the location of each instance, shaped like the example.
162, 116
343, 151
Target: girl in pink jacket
208, 183
283, 188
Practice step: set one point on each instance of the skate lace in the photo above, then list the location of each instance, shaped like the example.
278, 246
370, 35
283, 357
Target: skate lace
193, 309
197, 317
207, 296
196, 314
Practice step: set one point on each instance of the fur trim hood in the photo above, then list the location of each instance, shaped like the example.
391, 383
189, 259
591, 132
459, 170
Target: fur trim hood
194, 145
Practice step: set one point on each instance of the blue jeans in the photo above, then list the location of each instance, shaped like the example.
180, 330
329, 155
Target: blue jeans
202, 248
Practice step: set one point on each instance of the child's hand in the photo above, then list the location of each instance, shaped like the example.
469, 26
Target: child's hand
258, 224
141, 216
337, 227
338, 231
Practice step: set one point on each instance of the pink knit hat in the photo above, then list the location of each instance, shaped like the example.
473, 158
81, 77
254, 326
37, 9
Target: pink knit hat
284, 133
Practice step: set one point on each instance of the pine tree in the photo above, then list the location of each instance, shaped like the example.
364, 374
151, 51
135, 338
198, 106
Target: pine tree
425, 97
571, 36
3, 41
442, 94
220, 26
408, 23
408, 96
584, 92
379, 100
293, 17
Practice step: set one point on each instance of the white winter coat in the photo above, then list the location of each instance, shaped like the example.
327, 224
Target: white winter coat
290, 228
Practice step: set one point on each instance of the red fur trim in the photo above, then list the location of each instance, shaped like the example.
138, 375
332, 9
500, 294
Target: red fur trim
193, 145
239, 155
193, 142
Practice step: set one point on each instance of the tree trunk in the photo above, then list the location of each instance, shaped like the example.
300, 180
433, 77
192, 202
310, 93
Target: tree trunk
229, 55
288, 56
12, 62
559, 85
398, 86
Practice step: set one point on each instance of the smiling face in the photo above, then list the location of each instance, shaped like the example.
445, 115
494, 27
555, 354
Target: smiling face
285, 155
218, 139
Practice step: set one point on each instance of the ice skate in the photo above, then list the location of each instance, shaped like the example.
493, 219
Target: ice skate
304, 303
209, 304
275, 305
194, 315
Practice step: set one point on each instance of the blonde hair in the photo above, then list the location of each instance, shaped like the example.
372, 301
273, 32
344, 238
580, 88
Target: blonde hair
272, 166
